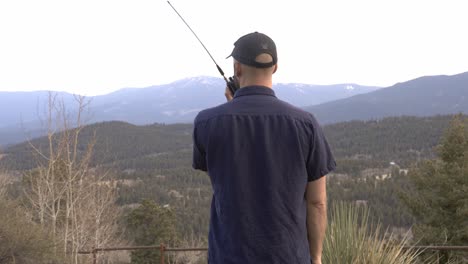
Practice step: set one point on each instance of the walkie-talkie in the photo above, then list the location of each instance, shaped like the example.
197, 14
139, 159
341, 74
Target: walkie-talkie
232, 83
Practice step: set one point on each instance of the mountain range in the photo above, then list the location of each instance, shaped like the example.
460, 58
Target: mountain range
177, 102
180, 101
424, 96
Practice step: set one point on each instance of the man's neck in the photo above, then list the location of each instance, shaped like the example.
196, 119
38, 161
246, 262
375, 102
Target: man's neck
263, 82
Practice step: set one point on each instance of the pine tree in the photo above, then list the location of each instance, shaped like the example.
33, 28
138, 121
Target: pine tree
438, 197
150, 225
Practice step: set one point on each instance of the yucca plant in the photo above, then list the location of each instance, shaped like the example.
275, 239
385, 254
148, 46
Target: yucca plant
352, 239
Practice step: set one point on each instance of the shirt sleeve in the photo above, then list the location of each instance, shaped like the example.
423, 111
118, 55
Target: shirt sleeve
320, 160
199, 155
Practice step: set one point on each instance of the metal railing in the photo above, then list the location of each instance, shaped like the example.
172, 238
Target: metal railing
163, 249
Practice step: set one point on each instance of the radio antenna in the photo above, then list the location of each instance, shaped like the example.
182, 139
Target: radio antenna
217, 66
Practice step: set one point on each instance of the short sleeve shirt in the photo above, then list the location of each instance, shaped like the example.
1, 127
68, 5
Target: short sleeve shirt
260, 153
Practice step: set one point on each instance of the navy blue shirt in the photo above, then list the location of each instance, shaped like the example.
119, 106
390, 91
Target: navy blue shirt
260, 153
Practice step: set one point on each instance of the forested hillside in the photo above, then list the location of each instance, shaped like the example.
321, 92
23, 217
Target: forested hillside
398, 139
402, 140
115, 141
154, 162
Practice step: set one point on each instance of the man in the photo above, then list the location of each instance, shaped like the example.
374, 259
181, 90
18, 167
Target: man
266, 160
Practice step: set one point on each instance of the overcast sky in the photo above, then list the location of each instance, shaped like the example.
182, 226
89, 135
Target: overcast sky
98, 46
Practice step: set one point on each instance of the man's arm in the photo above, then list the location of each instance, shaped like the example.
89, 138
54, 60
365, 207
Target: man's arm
198, 156
316, 196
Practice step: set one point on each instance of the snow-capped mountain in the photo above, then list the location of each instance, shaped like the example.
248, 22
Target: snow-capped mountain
176, 102
180, 101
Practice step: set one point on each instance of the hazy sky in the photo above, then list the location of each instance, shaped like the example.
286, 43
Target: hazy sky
98, 46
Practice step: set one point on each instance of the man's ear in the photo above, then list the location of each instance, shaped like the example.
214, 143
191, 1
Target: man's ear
276, 68
237, 69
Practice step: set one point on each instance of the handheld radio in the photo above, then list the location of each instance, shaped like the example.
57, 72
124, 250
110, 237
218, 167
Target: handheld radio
232, 83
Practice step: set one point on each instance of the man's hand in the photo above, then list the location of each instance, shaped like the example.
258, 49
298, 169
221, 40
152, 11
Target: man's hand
317, 261
228, 94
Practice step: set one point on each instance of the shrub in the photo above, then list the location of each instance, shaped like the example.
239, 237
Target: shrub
352, 239
21, 240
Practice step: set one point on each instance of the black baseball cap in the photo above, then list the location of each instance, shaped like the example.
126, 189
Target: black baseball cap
248, 47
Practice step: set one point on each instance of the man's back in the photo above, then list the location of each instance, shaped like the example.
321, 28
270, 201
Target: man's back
260, 153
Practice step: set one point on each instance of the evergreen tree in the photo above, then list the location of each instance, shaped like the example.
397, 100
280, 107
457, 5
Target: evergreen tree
150, 225
438, 196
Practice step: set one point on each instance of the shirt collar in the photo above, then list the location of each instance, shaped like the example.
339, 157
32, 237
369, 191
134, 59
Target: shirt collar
254, 90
